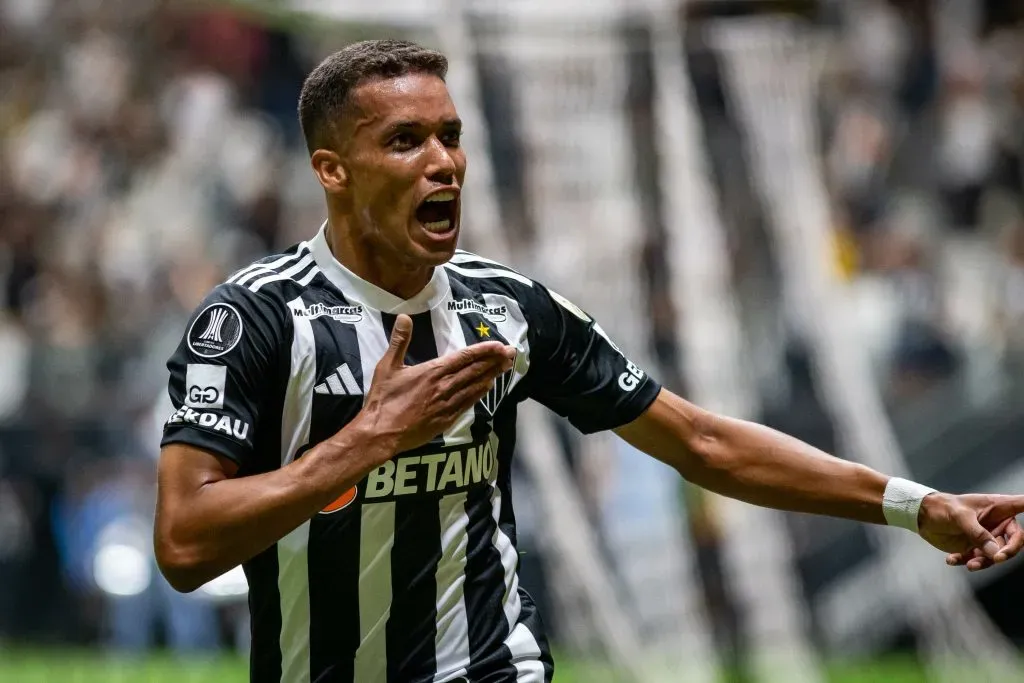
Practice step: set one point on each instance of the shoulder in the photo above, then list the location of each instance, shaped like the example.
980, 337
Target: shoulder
277, 276
484, 275
255, 299
487, 275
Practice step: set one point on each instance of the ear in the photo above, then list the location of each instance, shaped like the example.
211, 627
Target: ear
329, 170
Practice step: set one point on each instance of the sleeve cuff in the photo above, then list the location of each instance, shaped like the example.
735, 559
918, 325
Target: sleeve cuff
639, 402
208, 441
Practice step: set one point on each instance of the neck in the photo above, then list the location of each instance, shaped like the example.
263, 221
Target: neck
374, 262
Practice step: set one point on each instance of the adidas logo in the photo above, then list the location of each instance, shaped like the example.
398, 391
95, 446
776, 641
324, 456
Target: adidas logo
341, 382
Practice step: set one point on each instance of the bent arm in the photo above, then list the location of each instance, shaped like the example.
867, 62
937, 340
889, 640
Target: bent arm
207, 522
753, 463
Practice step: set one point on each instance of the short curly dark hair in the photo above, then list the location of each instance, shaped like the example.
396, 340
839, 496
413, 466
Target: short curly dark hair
326, 89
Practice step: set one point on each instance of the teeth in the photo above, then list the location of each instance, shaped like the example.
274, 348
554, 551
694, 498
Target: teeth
442, 197
438, 226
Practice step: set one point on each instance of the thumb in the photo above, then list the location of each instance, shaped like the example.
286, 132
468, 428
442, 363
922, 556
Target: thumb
401, 334
980, 536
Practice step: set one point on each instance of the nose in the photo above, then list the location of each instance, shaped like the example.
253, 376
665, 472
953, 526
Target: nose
441, 168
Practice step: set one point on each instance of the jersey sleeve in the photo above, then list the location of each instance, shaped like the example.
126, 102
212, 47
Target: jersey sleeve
223, 373
578, 372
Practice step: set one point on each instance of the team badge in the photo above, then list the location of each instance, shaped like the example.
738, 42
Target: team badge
498, 391
216, 330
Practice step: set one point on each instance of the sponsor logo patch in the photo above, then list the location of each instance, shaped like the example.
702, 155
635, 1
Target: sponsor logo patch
495, 314
433, 473
343, 314
215, 331
213, 421
631, 378
204, 385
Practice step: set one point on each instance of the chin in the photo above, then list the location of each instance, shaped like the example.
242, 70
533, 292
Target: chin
432, 251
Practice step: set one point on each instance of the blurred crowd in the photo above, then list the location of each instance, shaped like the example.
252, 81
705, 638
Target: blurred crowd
145, 150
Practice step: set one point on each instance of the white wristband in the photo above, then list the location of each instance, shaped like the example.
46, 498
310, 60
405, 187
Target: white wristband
902, 502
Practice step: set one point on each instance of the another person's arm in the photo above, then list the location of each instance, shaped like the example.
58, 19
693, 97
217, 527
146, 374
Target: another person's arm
207, 521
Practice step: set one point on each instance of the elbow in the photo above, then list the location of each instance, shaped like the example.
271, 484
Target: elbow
180, 565
710, 457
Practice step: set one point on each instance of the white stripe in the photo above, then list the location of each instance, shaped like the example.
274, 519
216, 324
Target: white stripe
451, 643
469, 257
376, 539
334, 384
525, 655
293, 585
372, 344
488, 273
529, 671
449, 337
348, 379
246, 274
308, 277
292, 550
284, 274
510, 602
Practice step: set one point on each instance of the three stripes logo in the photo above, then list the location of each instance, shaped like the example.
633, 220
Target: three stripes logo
341, 382
215, 331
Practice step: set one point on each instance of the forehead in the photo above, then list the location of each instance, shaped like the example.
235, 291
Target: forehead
421, 98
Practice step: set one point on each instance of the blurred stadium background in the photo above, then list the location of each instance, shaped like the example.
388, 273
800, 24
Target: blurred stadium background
805, 213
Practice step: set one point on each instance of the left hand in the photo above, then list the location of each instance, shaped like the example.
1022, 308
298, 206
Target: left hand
977, 530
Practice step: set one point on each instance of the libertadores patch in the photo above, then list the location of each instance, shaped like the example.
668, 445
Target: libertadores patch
215, 331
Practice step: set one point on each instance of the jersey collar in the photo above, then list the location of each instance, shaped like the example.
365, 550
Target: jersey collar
358, 290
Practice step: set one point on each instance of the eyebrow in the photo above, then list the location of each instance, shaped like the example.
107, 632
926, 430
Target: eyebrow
399, 126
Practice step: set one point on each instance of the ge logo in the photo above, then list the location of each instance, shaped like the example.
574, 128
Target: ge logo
629, 380
203, 395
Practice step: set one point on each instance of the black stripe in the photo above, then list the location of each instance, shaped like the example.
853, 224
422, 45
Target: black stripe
485, 578
334, 538
412, 626
265, 613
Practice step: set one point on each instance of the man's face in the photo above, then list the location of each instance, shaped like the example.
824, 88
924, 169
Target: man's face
405, 168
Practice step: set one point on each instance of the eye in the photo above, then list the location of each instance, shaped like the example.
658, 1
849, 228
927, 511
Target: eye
451, 138
403, 141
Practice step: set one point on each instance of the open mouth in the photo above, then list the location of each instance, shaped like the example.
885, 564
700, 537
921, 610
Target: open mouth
437, 212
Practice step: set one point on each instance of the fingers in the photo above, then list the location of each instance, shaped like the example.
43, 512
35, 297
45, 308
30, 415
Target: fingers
1007, 506
979, 536
1014, 536
494, 351
484, 368
468, 395
401, 335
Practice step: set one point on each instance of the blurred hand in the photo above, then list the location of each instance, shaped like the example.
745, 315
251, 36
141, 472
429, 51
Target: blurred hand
977, 530
413, 404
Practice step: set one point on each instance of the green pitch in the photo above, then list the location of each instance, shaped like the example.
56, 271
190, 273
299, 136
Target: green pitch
61, 666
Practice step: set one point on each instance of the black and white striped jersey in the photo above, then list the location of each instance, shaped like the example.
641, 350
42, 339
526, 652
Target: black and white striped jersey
411, 576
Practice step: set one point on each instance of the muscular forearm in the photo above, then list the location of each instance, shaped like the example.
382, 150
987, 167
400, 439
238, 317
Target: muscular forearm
754, 463
227, 521
765, 467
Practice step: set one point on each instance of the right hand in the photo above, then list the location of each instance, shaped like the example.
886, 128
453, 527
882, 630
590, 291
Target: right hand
415, 403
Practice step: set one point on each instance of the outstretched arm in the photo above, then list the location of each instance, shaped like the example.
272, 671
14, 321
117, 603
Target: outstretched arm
758, 465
